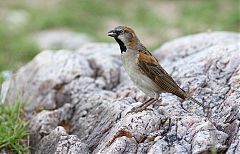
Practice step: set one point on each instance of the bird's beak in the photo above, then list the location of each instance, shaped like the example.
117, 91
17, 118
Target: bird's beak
113, 33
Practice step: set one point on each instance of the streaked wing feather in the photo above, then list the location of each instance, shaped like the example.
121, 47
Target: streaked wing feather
155, 72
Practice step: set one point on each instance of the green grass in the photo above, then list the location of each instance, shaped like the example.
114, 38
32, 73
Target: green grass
213, 149
15, 48
13, 134
209, 15
93, 17
1, 81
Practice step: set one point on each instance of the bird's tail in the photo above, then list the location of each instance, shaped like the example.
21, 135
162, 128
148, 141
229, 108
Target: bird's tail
182, 94
194, 100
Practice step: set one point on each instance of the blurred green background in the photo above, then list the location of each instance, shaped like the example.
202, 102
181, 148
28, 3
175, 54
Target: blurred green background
156, 21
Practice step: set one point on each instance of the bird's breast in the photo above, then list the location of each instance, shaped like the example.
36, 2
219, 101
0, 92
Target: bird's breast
143, 82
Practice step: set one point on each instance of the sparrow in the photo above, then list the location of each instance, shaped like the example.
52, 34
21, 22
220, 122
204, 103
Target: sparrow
144, 69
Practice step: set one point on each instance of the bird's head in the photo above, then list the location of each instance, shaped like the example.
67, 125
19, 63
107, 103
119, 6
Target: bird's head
125, 37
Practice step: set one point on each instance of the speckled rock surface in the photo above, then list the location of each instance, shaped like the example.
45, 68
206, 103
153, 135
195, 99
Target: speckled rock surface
59, 142
78, 101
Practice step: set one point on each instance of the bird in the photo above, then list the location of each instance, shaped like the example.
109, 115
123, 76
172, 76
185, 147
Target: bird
144, 69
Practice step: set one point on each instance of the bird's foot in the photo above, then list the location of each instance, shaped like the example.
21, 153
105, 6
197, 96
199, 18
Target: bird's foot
138, 109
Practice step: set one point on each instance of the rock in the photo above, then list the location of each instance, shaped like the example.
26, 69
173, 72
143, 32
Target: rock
47, 74
5, 76
61, 39
182, 47
46, 121
59, 142
235, 146
78, 101
16, 18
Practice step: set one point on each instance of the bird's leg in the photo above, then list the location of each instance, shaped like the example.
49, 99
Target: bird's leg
139, 108
149, 103
143, 106
156, 98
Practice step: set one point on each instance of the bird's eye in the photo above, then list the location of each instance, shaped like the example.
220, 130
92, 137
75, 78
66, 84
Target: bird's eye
121, 31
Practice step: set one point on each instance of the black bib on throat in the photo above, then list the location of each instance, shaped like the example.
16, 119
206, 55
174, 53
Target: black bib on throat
123, 48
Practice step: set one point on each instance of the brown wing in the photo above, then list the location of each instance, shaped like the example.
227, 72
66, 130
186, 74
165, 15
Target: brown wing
150, 66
